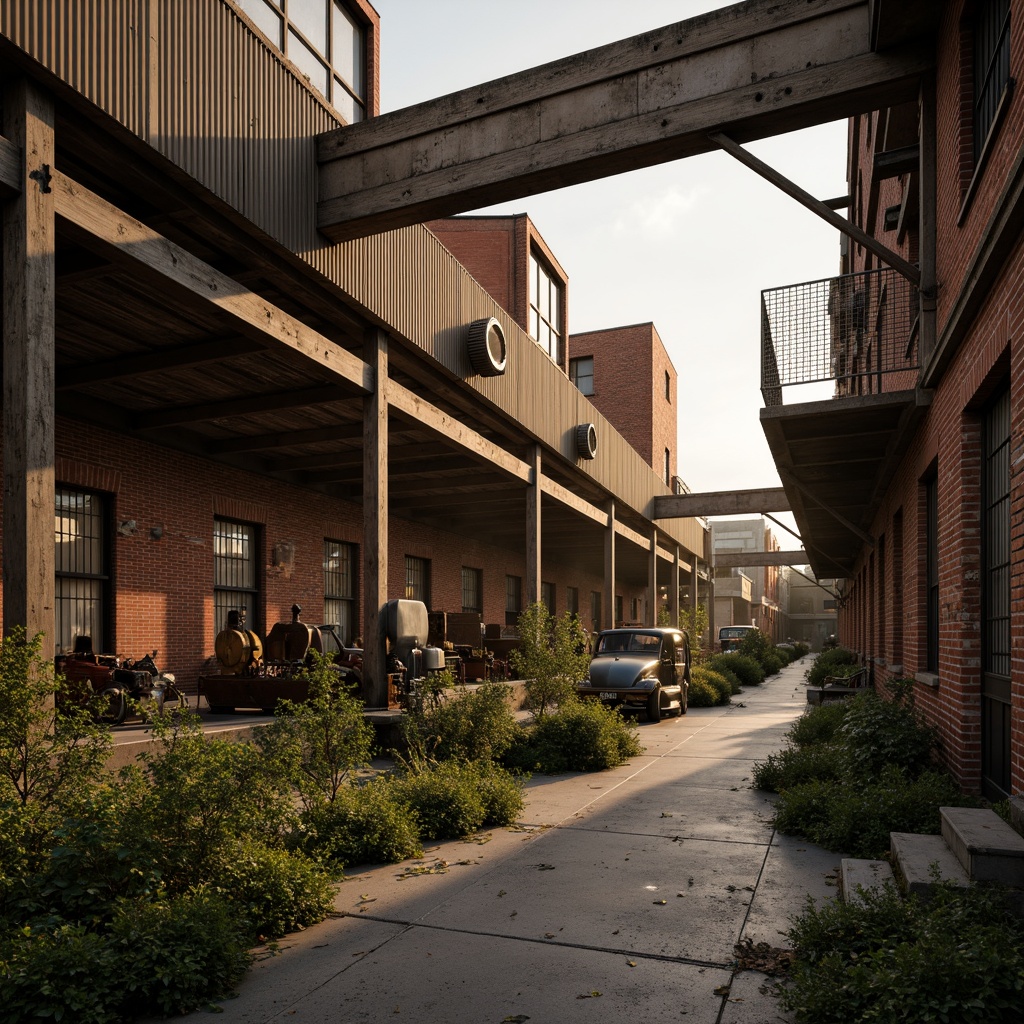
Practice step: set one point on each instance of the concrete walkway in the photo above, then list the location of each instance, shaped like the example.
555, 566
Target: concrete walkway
620, 897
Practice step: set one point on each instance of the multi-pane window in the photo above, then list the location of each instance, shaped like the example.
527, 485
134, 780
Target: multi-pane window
82, 573
340, 588
513, 599
581, 373
991, 66
472, 589
996, 533
595, 610
572, 600
547, 596
235, 573
931, 489
324, 41
545, 309
417, 579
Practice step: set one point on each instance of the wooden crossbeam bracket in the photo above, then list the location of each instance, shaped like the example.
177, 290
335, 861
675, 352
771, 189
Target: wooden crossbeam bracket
721, 503
11, 169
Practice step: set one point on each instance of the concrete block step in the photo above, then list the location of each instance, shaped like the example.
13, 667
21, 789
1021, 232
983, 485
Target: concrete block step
857, 877
987, 847
918, 859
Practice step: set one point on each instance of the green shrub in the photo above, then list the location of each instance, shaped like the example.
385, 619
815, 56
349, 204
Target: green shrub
793, 766
59, 972
368, 824
502, 794
800, 650
755, 644
773, 663
701, 694
747, 670
718, 683
735, 686
276, 891
818, 724
176, 955
470, 726
446, 799
857, 819
551, 656
876, 733
828, 663
582, 736
958, 958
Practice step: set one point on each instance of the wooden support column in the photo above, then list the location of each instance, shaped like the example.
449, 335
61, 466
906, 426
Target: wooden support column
652, 580
533, 528
375, 520
28, 370
673, 591
608, 597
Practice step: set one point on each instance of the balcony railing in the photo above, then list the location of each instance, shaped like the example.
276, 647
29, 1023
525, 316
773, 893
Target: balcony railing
858, 331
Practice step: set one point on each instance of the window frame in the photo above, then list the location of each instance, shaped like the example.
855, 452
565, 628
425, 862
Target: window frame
101, 580
513, 599
417, 579
931, 537
254, 592
348, 630
551, 319
476, 589
575, 364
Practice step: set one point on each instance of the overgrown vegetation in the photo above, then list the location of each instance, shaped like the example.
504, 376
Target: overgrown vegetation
708, 688
747, 670
835, 661
958, 958
854, 772
551, 656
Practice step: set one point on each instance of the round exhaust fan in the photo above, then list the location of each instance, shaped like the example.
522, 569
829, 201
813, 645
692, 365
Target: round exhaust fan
486, 347
586, 441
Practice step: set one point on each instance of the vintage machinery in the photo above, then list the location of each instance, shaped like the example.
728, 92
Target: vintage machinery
257, 675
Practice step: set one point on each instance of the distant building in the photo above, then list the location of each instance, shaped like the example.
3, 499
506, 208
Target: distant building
737, 536
811, 612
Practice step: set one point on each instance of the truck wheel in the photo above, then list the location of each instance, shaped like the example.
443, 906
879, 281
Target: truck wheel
654, 706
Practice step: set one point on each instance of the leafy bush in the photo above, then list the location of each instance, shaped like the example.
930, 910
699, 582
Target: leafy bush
470, 726
773, 663
818, 724
829, 663
800, 650
551, 656
755, 644
876, 733
701, 694
177, 954
62, 971
748, 670
958, 958
276, 892
368, 824
718, 683
793, 766
735, 686
857, 819
451, 799
317, 744
582, 736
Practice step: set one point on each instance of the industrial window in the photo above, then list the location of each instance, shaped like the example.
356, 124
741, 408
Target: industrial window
417, 579
82, 572
595, 609
991, 67
324, 41
235, 573
581, 373
545, 309
513, 599
931, 489
572, 600
340, 560
668, 468
547, 596
472, 589
668, 387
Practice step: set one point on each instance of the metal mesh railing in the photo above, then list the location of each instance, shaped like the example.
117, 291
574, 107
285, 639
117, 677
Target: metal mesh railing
858, 330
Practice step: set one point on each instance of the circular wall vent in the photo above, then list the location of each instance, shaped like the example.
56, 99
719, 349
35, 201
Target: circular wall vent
586, 441
486, 347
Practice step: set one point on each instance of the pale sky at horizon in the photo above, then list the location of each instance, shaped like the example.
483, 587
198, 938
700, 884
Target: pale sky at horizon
688, 245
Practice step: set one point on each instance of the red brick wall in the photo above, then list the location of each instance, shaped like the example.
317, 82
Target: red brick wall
163, 589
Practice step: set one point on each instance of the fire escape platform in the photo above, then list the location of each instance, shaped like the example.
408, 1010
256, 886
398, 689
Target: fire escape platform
835, 459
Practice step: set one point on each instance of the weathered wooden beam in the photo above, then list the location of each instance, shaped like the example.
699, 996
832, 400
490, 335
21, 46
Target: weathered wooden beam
132, 243
721, 503
285, 439
10, 168
751, 70
29, 234
154, 362
742, 559
894, 162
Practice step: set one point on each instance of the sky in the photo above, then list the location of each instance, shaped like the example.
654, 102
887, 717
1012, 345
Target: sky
688, 245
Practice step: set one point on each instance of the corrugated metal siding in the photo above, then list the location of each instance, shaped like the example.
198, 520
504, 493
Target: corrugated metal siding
193, 80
